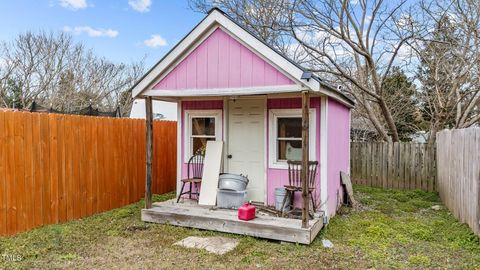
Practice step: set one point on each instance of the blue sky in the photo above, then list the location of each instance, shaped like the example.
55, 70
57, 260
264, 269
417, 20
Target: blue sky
120, 30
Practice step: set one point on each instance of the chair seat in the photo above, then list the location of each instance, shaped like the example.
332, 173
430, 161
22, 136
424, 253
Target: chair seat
294, 188
291, 188
192, 180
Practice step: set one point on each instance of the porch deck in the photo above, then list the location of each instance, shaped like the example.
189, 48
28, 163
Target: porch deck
192, 215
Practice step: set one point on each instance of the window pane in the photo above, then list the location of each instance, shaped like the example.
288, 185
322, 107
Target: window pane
290, 127
289, 150
200, 143
203, 126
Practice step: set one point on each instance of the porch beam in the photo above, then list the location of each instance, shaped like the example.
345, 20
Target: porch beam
149, 150
305, 157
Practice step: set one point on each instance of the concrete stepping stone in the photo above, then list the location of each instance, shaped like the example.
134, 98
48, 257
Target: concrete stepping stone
216, 245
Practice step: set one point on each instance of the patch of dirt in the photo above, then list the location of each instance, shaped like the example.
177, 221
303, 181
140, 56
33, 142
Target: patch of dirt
142, 250
134, 228
115, 252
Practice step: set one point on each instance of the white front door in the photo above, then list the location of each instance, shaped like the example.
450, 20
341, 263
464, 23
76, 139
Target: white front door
246, 136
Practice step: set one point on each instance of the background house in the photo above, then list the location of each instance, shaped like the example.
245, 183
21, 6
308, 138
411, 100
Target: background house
162, 110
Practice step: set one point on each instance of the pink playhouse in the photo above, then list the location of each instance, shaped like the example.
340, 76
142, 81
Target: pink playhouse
232, 87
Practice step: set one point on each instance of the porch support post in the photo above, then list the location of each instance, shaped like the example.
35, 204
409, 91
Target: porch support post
305, 158
149, 140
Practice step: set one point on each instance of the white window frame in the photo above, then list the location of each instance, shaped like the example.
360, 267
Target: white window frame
274, 114
188, 116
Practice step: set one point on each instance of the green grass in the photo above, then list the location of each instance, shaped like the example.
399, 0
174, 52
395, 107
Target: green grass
391, 229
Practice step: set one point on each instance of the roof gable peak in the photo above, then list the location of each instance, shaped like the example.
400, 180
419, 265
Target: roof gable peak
217, 18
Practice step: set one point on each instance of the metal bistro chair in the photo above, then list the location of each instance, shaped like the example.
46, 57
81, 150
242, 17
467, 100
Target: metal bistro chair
194, 174
295, 182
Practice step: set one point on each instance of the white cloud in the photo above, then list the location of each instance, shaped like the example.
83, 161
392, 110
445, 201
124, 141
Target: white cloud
140, 5
405, 20
155, 41
3, 63
368, 19
404, 53
74, 4
98, 32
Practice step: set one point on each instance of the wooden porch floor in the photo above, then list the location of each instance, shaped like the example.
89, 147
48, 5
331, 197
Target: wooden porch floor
192, 215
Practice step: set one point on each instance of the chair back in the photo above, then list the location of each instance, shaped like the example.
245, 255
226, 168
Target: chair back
195, 166
295, 173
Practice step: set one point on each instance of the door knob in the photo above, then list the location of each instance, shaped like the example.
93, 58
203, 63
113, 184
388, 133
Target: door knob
229, 156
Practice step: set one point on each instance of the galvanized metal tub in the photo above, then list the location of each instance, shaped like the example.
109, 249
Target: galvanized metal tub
231, 199
280, 194
230, 181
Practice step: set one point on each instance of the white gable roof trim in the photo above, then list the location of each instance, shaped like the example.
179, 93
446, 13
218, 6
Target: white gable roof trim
261, 90
214, 19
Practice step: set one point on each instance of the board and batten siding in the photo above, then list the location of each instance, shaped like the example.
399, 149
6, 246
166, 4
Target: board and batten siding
279, 177
458, 157
338, 152
220, 61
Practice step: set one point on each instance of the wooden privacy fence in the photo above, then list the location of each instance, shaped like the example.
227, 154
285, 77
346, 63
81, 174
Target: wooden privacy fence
55, 168
458, 155
400, 165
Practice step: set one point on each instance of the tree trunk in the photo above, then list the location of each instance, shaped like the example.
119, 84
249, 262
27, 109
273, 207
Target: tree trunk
378, 126
438, 122
389, 119
459, 108
433, 133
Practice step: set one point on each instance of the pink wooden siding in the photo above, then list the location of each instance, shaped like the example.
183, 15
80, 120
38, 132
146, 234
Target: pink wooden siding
222, 62
338, 150
279, 177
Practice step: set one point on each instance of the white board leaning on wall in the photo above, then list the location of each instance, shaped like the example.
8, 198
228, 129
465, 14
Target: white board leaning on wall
211, 170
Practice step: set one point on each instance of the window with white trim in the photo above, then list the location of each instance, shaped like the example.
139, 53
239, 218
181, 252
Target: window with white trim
286, 136
201, 126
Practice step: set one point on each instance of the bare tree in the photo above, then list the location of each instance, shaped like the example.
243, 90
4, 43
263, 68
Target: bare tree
355, 43
358, 43
449, 71
55, 71
266, 19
